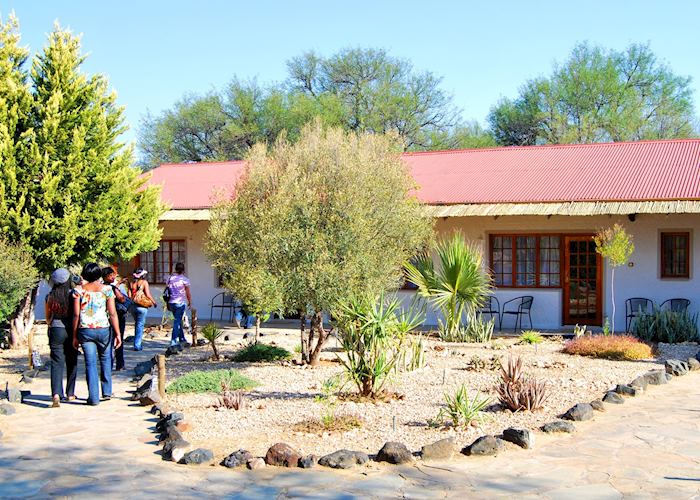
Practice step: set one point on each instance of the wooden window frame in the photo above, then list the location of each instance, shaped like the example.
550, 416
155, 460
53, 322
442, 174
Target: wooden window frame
664, 257
152, 276
514, 259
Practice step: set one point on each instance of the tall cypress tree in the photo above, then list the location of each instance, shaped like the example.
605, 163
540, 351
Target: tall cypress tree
15, 108
77, 196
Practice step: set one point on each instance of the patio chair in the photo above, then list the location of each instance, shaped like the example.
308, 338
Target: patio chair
634, 308
491, 307
518, 307
225, 302
676, 305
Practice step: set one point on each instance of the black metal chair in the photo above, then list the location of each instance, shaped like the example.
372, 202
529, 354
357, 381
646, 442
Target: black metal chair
634, 308
491, 307
224, 301
520, 306
676, 305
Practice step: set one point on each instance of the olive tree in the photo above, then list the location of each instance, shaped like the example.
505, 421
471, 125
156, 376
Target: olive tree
328, 217
17, 277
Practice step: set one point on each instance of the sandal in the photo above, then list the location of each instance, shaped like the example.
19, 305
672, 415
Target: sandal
56, 402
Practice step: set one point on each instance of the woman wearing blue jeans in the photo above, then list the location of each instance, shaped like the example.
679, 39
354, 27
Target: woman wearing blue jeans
140, 295
180, 299
94, 311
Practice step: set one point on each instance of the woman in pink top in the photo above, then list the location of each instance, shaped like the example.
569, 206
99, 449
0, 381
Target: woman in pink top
180, 298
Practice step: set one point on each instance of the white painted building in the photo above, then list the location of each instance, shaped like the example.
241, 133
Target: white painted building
534, 210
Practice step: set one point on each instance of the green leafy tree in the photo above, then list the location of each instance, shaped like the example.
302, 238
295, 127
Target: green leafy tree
458, 286
17, 277
70, 193
361, 90
614, 244
331, 216
378, 93
239, 251
225, 125
598, 95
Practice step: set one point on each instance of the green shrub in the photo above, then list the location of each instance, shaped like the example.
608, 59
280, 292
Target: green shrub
413, 357
17, 277
372, 334
666, 326
479, 330
616, 347
255, 353
457, 287
530, 337
212, 333
210, 381
460, 409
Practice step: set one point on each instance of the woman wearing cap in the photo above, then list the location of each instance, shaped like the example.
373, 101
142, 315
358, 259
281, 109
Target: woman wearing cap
59, 317
94, 311
140, 295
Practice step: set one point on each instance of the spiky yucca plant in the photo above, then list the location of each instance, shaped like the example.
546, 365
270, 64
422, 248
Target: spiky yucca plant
457, 286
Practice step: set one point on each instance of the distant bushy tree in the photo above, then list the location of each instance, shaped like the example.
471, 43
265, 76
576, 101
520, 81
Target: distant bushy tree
598, 95
360, 90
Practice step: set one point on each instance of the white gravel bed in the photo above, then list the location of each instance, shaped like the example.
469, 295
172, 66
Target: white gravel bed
286, 395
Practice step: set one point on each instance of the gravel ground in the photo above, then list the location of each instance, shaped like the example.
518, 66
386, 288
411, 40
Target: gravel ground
286, 395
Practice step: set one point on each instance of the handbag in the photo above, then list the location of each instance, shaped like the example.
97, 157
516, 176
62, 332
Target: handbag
140, 298
167, 294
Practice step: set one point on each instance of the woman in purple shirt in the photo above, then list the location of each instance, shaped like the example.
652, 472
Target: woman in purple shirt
180, 299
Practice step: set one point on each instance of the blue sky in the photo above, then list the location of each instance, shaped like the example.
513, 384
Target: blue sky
155, 51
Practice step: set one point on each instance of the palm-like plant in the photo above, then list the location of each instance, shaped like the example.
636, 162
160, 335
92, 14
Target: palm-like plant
458, 286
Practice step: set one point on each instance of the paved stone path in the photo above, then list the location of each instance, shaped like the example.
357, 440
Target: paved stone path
647, 448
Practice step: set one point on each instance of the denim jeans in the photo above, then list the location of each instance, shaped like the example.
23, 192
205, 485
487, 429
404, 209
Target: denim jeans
178, 333
139, 313
96, 344
63, 355
118, 354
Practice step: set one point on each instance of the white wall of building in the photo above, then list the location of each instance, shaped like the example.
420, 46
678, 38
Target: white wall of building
197, 268
641, 280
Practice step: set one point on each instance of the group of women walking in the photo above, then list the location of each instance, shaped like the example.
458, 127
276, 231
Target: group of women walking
89, 312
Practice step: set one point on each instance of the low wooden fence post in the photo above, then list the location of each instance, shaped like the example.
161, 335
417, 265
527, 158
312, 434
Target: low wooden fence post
30, 345
194, 327
161, 375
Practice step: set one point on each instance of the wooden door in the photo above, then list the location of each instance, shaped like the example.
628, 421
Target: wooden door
583, 282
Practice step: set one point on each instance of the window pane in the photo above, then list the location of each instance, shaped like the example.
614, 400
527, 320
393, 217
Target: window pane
674, 255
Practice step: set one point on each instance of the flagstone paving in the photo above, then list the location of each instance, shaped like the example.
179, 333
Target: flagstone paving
647, 448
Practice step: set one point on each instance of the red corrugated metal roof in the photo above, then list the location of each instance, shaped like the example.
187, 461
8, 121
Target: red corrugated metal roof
623, 171
195, 185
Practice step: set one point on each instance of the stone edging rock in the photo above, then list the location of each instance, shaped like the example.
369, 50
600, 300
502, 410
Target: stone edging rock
175, 448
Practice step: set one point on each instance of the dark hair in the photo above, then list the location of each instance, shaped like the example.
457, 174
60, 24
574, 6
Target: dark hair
59, 300
180, 267
91, 272
106, 271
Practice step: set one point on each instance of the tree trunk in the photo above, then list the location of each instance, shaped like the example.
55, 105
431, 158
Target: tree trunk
612, 298
22, 321
257, 328
304, 339
321, 336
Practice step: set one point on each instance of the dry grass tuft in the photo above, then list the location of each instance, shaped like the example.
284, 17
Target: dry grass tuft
338, 423
615, 347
